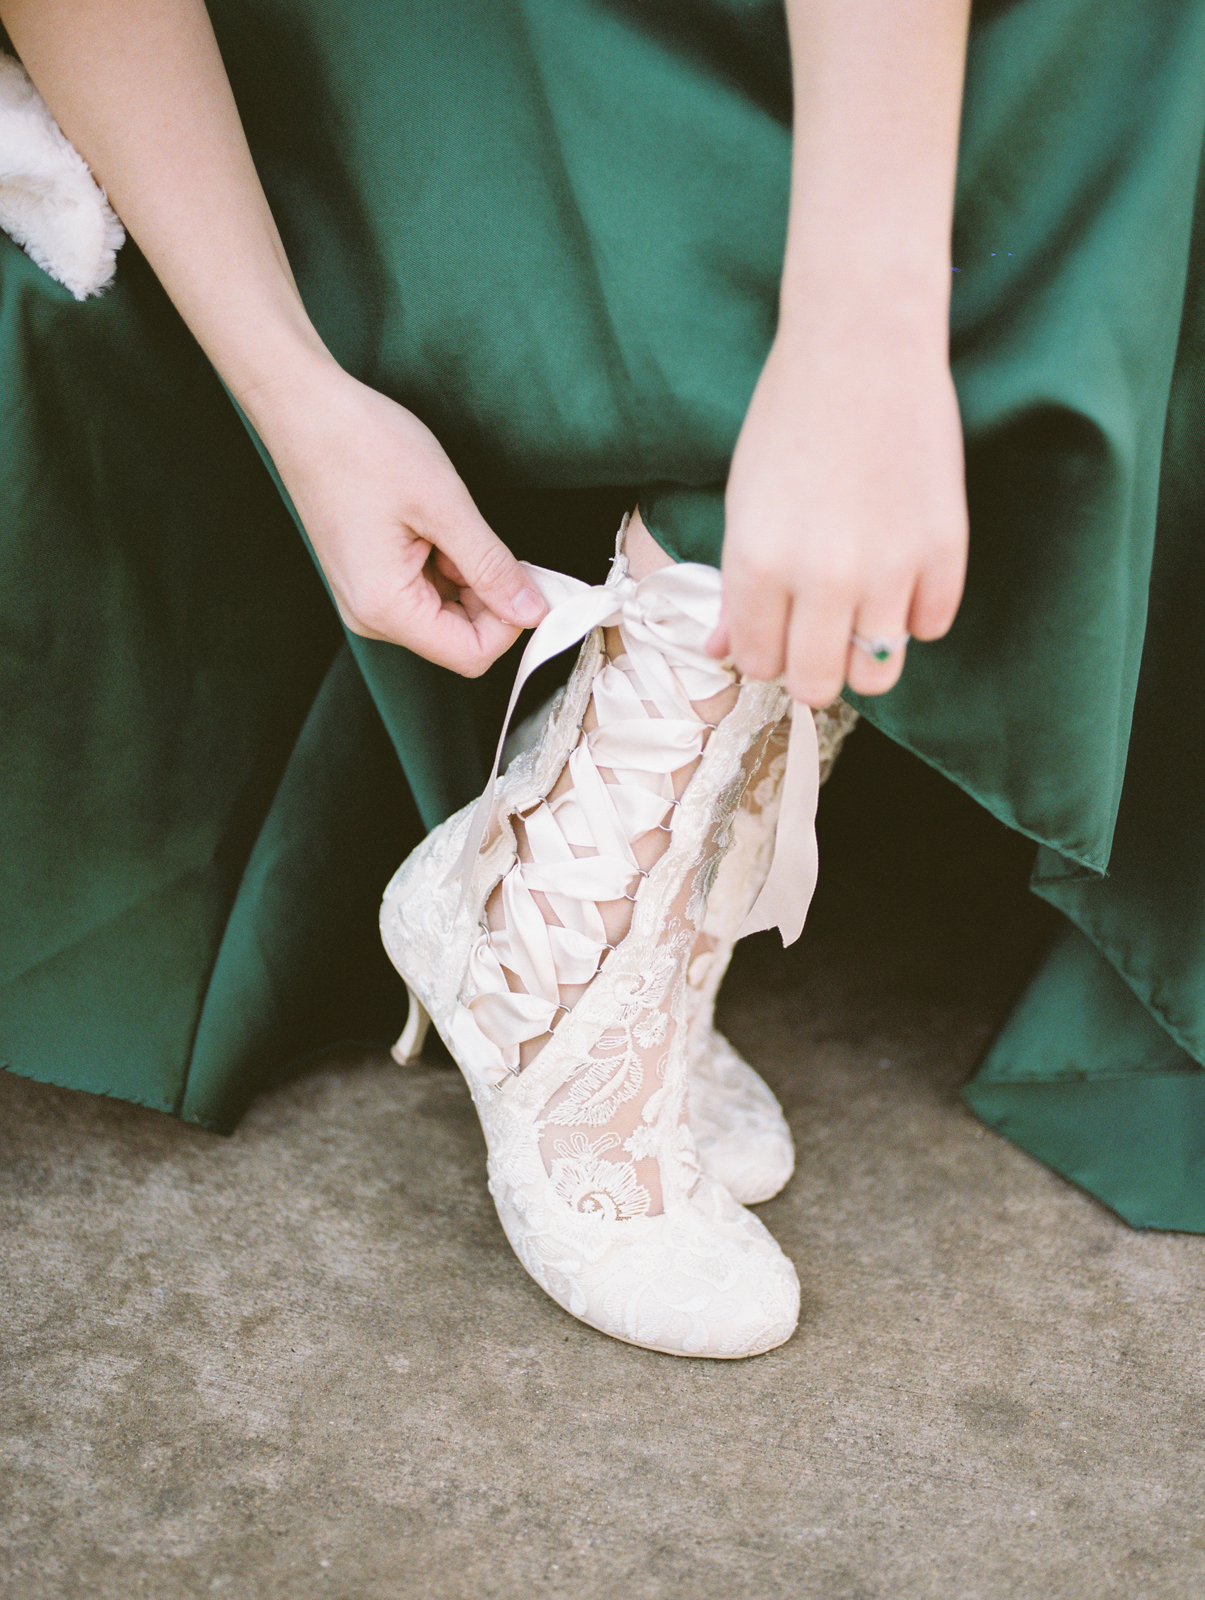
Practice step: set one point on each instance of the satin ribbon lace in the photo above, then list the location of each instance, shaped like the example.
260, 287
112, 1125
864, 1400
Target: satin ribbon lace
646, 730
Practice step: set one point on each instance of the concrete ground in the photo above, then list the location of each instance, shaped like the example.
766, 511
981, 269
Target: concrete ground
302, 1362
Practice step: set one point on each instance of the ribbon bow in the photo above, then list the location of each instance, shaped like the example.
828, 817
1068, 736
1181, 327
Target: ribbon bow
664, 616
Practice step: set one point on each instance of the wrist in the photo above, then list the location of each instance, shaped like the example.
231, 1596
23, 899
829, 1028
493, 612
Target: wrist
883, 275
821, 324
284, 381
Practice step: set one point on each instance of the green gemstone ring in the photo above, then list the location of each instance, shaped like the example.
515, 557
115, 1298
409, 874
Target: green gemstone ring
880, 649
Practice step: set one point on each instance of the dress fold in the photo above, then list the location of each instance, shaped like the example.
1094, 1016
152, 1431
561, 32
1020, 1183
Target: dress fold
554, 229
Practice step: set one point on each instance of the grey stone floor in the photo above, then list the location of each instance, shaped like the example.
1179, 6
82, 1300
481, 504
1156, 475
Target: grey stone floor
301, 1362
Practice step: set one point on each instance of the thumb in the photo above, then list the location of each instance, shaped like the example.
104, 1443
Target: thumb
490, 571
719, 644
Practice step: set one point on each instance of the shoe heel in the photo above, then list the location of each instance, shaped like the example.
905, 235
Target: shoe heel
410, 1045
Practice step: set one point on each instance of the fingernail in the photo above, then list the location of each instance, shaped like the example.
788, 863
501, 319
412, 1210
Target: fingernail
528, 607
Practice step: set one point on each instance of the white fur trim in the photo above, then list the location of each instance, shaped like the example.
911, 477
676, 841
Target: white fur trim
49, 201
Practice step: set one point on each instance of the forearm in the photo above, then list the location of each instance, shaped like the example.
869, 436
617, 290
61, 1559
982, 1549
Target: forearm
140, 89
878, 94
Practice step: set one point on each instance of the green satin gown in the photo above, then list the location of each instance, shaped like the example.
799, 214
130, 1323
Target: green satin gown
553, 228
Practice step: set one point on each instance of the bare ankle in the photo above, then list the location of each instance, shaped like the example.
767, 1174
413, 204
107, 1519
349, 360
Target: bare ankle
644, 554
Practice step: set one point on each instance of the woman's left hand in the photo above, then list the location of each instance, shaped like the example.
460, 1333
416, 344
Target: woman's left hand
846, 511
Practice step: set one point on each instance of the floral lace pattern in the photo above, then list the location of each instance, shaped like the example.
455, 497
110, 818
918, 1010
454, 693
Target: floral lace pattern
742, 1136
587, 1183
565, 902
591, 1165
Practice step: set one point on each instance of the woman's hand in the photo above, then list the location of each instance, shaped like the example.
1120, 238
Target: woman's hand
408, 556
846, 510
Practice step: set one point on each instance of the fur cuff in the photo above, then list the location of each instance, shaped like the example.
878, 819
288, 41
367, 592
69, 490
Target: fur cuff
49, 202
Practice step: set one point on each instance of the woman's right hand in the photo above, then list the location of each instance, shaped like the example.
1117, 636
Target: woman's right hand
408, 556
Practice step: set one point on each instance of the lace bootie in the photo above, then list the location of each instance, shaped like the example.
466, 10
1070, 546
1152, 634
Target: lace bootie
547, 932
742, 1136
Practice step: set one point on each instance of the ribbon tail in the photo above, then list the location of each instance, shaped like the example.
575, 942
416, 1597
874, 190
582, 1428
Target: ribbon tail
574, 608
787, 892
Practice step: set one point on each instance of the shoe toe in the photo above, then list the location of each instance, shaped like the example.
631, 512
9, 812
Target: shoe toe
709, 1280
743, 1139
752, 1166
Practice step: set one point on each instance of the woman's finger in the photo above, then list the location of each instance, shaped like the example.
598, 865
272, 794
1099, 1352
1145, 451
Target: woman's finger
938, 594
487, 567
877, 645
755, 613
435, 621
818, 647
414, 603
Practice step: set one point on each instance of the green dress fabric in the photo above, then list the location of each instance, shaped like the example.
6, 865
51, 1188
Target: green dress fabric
553, 228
